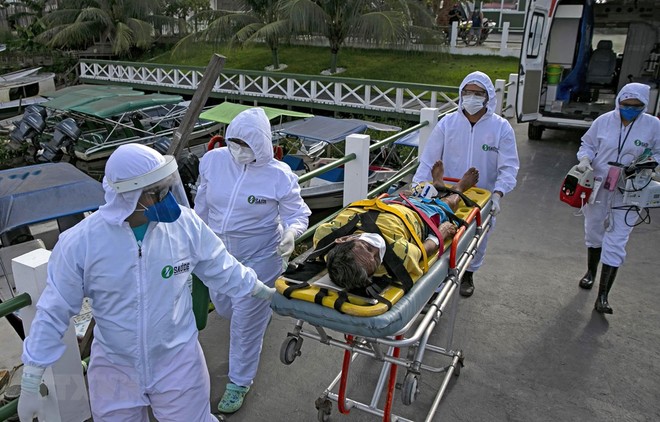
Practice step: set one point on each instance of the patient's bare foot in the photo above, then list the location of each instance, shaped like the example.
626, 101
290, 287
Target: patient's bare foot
447, 229
437, 173
469, 179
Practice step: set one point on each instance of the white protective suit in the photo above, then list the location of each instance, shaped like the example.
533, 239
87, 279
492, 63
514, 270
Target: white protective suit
145, 350
247, 206
601, 145
489, 145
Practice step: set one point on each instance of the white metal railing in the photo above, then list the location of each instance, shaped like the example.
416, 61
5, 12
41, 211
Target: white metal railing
381, 96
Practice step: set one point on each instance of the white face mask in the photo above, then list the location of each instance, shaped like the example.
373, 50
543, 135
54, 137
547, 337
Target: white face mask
241, 154
376, 241
473, 104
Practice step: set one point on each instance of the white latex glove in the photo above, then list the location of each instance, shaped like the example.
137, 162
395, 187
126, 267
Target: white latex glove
261, 291
585, 164
29, 402
285, 248
496, 204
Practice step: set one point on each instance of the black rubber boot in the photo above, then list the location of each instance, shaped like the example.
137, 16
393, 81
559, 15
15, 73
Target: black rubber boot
467, 284
607, 276
593, 258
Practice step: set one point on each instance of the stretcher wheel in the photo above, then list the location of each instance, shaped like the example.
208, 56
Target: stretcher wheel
290, 349
324, 407
409, 389
323, 415
457, 368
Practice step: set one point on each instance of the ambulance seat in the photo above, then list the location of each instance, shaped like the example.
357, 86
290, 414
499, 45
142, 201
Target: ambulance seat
602, 64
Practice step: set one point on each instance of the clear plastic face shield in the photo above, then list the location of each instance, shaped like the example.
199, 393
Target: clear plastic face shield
162, 193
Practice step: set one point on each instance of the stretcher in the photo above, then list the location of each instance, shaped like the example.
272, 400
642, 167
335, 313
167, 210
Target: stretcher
408, 324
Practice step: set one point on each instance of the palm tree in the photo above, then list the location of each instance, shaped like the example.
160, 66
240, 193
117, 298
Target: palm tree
123, 23
260, 20
381, 21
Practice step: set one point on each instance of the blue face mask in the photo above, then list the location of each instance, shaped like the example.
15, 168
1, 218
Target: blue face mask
165, 211
629, 113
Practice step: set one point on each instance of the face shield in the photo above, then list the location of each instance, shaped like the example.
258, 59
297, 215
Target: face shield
160, 192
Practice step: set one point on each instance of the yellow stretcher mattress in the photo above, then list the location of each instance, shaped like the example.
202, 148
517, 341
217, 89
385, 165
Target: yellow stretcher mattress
367, 307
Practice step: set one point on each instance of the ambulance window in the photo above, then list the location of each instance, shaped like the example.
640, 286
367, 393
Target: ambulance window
534, 37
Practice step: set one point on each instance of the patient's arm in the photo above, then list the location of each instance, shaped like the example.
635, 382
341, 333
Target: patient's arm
447, 229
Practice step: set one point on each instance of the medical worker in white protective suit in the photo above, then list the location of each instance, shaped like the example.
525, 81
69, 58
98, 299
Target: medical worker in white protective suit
619, 136
474, 136
253, 202
133, 259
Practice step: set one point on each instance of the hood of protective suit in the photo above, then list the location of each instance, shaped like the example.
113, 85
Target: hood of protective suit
635, 91
126, 162
253, 127
482, 79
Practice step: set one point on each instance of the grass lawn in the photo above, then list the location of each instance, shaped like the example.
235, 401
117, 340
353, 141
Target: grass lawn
388, 65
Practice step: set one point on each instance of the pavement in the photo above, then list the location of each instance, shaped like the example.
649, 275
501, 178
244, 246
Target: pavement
534, 348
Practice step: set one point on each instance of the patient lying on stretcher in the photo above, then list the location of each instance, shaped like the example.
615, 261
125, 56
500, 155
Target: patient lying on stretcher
358, 257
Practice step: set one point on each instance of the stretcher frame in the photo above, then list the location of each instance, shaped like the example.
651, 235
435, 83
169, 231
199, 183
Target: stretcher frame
387, 349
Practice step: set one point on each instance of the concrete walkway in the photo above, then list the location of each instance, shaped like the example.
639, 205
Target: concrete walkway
534, 348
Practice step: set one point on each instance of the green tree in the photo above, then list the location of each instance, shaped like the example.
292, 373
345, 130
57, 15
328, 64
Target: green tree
380, 21
123, 23
260, 20
182, 9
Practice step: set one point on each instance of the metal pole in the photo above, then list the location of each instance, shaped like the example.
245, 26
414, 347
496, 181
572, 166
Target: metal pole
211, 74
14, 304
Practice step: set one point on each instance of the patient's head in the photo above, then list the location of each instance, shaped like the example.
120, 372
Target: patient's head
353, 261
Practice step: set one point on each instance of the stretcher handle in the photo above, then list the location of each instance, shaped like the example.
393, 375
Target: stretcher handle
475, 213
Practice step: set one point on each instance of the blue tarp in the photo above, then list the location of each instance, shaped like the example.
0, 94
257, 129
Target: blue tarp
328, 129
44, 192
410, 140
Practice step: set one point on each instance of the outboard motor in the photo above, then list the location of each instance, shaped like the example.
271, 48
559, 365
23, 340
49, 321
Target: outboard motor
162, 144
36, 109
32, 124
65, 133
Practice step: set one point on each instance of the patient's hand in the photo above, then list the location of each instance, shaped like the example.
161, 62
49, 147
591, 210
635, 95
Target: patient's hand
447, 229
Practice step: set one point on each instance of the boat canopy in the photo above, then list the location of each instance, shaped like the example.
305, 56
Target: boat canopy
225, 112
330, 130
44, 192
105, 102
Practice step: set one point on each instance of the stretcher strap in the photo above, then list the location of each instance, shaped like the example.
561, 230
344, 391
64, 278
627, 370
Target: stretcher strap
378, 205
323, 245
427, 220
342, 297
448, 191
292, 288
318, 298
393, 264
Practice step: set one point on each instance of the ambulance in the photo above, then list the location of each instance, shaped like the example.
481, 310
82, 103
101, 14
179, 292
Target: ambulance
577, 54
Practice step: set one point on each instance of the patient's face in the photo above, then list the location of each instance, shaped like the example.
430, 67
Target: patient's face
365, 254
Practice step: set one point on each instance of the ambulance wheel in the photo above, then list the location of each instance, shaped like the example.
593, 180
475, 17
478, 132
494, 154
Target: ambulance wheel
290, 349
534, 132
409, 389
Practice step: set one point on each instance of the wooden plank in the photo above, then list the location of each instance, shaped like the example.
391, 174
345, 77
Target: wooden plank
181, 134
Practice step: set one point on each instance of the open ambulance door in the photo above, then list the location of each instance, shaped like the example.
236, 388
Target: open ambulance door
532, 58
